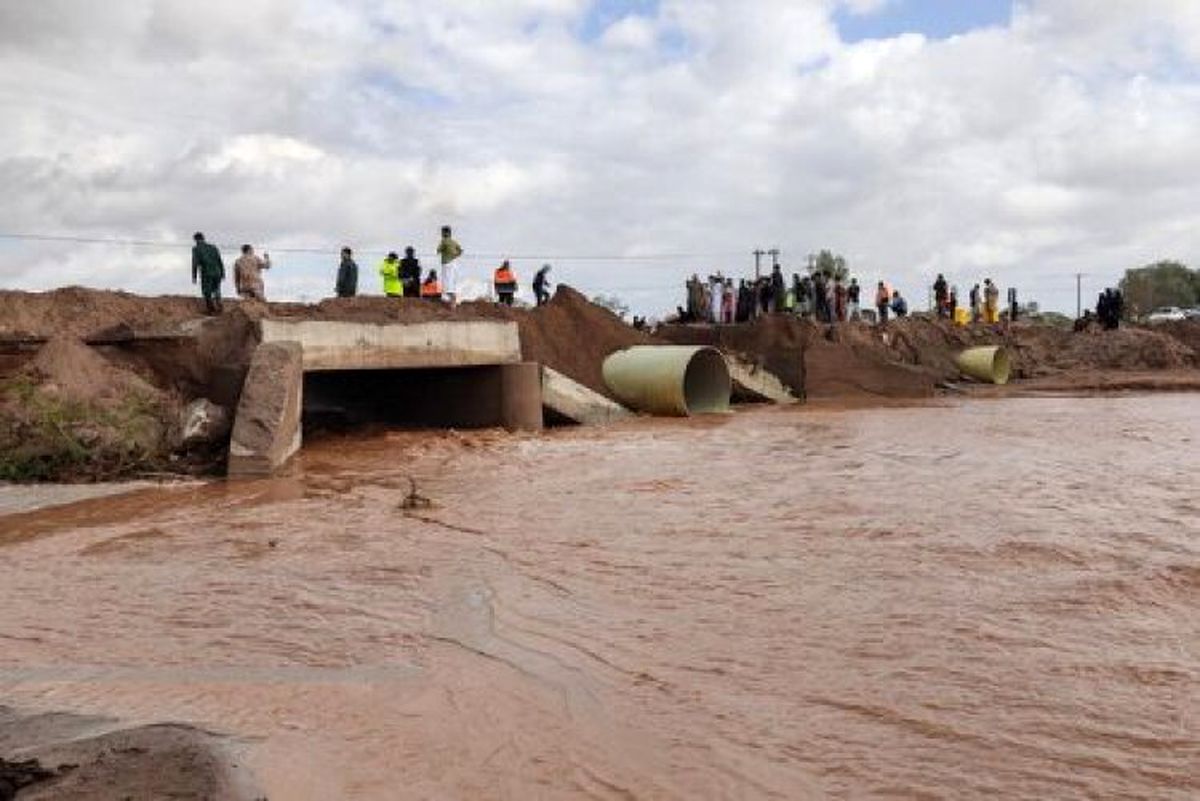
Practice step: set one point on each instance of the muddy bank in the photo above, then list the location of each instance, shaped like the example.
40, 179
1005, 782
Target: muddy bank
75, 758
910, 358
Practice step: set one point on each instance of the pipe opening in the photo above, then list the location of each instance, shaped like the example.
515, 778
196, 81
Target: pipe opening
1001, 366
706, 383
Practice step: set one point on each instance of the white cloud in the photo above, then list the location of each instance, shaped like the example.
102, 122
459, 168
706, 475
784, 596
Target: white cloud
1063, 143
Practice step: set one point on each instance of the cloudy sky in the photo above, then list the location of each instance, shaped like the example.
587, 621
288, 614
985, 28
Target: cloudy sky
628, 142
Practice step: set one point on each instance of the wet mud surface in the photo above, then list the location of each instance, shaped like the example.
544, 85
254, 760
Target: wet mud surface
996, 598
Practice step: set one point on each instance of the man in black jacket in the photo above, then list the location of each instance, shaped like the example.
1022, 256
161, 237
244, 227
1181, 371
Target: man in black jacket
347, 276
410, 273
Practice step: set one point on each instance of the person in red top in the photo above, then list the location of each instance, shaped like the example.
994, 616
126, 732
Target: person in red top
505, 282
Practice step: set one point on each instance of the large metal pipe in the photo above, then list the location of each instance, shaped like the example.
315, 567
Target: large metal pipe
990, 364
670, 380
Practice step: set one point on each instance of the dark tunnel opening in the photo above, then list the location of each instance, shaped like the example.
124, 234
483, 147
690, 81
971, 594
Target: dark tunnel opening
444, 397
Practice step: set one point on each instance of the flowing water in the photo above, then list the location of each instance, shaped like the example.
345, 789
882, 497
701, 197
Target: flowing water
986, 599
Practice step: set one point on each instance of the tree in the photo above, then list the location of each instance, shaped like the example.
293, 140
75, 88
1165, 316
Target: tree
827, 261
612, 303
1164, 283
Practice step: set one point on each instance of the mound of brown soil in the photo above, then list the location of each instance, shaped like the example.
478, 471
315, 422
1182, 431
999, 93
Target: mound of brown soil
776, 342
1185, 331
66, 366
71, 414
817, 361
835, 368
574, 336
79, 312
1048, 351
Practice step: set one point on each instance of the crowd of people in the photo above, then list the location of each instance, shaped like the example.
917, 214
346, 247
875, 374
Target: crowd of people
829, 297
1110, 306
400, 277
823, 295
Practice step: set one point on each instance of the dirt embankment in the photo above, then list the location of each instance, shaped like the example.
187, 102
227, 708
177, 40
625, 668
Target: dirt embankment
72, 413
909, 358
816, 361
82, 398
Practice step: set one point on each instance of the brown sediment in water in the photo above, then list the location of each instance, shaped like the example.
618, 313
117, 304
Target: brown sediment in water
966, 600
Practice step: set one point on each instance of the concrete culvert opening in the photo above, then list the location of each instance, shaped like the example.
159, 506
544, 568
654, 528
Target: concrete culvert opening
505, 396
706, 383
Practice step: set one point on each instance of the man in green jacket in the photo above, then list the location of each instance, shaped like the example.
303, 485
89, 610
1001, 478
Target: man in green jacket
449, 250
207, 265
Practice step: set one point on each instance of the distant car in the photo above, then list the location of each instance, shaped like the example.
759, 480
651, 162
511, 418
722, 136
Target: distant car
1192, 313
1166, 314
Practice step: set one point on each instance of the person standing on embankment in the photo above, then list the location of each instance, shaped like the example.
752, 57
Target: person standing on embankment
450, 251
208, 267
347, 276
541, 285
505, 283
883, 301
410, 273
991, 302
247, 274
389, 270
431, 289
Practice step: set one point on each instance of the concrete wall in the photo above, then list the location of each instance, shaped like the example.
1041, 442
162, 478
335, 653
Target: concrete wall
266, 430
369, 346
572, 402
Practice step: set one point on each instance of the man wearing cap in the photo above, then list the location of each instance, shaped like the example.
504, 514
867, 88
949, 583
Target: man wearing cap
210, 270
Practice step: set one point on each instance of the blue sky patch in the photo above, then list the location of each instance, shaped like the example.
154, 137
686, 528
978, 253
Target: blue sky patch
605, 12
935, 19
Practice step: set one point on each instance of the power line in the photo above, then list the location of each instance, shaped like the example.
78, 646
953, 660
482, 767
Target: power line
89, 240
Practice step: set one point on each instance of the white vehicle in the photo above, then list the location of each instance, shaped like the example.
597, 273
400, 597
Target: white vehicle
1165, 314
1192, 313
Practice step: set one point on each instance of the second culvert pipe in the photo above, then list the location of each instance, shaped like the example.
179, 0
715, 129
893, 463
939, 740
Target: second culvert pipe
670, 380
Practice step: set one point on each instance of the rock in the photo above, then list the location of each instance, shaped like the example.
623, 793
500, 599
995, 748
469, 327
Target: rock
205, 423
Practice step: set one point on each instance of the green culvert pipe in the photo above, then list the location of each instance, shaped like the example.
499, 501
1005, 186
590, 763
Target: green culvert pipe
991, 364
670, 380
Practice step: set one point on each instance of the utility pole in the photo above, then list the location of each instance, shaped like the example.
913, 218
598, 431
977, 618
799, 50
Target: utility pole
1078, 295
774, 257
758, 254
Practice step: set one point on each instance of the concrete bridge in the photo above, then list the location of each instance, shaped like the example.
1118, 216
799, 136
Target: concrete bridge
440, 374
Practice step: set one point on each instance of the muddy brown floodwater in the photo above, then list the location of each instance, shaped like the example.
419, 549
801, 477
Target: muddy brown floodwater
985, 599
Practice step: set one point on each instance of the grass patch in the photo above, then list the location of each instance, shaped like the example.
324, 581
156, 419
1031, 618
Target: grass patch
45, 436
